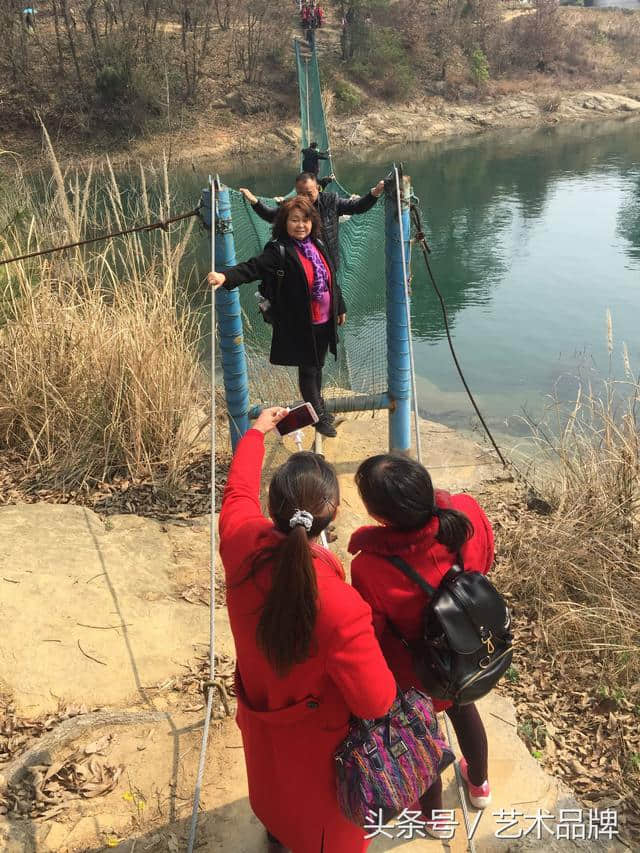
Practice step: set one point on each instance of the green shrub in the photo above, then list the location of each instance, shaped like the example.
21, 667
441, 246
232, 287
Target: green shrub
347, 98
383, 62
113, 83
479, 67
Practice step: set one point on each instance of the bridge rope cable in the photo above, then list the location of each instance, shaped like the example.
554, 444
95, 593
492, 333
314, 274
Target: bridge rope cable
211, 683
458, 775
421, 239
136, 229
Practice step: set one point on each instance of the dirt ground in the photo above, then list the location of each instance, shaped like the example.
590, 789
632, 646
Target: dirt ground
120, 774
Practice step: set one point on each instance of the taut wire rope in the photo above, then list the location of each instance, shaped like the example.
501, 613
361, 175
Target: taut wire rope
164, 224
306, 76
459, 784
212, 625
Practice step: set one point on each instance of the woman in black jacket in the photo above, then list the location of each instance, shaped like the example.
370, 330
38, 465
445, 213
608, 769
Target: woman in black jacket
306, 302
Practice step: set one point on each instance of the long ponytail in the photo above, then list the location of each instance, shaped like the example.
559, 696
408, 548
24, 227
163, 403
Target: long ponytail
288, 618
454, 529
289, 615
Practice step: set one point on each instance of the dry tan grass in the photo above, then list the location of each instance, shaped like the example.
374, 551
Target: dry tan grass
99, 364
579, 567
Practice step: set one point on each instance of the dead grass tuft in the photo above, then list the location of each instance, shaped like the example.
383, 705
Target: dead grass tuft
99, 363
579, 567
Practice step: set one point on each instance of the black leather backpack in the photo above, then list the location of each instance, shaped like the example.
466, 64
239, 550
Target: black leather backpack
466, 644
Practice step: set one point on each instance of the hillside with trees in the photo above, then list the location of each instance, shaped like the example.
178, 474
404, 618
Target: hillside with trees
111, 71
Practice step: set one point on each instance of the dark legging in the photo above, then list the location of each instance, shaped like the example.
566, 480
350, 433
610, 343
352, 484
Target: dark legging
310, 376
472, 738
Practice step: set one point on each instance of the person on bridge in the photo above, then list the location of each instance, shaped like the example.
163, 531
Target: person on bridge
329, 205
427, 529
306, 303
307, 656
311, 158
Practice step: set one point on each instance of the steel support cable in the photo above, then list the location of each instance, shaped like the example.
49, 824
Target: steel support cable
164, 224
314, 55
306, 77
459, 783
210, 685
419, 236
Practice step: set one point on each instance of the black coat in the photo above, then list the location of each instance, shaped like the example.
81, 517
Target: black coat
311, 160
330, 206
292, 342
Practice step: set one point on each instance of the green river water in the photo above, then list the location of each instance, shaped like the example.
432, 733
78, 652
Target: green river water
534, 235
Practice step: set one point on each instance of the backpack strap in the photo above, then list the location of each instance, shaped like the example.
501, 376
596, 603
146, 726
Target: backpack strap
282, 254
411, 573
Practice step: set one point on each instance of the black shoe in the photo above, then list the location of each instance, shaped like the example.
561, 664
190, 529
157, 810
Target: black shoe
325, 414
325, 427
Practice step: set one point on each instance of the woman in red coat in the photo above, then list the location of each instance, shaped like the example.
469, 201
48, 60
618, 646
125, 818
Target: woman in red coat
307, 655
428, 530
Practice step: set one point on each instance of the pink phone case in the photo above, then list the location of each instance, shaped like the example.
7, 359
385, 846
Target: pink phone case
298, 418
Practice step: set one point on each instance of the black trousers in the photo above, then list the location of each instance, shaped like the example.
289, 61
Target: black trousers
310, 377
472, 738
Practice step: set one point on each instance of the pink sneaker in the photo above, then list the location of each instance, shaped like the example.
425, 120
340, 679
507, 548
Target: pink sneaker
479, 795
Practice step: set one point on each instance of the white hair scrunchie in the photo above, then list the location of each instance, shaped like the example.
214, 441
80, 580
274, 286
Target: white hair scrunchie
301, 518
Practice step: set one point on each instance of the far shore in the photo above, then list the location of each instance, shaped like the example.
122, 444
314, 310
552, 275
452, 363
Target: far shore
222, 137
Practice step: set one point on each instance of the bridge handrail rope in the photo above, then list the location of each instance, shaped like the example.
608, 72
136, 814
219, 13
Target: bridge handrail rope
210, 684
136, 229
414, 394
306, 61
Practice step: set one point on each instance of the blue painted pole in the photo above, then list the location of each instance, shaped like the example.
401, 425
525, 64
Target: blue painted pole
398, 356
229, 319
357, 403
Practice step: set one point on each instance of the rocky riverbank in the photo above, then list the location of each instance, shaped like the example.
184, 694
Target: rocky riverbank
239, 126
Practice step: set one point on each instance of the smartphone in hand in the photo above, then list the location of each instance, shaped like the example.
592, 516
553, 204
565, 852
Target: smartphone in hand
301, 416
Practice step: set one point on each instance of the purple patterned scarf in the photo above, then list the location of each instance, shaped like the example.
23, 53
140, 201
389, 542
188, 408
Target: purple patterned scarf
320, 275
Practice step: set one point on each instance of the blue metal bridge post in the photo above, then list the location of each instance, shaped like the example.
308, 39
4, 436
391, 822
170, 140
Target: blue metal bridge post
398, 358
229, 322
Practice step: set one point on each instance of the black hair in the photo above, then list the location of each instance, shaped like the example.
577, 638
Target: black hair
306, 176
313, 145
287, 622
399, 490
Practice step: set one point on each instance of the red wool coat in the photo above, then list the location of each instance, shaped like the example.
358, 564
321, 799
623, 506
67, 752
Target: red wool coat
292, 725
396, 599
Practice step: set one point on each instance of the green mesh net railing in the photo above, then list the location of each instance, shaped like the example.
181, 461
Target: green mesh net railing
361, 365
312, 118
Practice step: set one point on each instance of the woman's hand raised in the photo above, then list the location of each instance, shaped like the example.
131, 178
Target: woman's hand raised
248, 195
216, 279
268, 418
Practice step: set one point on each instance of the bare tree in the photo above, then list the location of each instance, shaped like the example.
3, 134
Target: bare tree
196, 37
223, 13
260, 27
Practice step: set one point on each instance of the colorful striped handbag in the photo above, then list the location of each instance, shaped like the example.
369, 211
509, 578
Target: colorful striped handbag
385, 765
